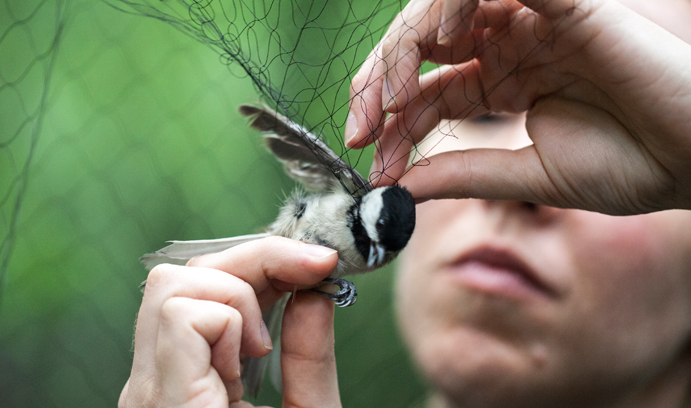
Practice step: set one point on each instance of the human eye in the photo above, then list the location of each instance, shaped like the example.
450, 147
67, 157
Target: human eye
495, 120
489, 118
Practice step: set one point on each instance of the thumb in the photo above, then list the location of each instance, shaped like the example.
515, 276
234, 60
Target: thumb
492, 174
307, 353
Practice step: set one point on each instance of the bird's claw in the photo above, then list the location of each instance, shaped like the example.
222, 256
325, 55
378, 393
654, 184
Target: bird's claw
346, 294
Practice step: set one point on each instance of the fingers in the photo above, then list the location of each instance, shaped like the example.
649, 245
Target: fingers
307, 353
388, 78
188, 327
452, 92
555, 9
392, 153
233, 277
168, 281
196, 320
193, 360
402, 51
291, 263
366, 116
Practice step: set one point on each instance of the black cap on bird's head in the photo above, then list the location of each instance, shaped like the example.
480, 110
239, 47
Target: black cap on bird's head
397, 219
388, 216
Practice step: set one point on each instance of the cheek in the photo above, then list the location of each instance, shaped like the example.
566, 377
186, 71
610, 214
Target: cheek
628, 292
621, 262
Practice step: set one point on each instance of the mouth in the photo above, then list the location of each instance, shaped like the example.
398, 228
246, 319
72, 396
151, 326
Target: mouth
499, 272
376, 254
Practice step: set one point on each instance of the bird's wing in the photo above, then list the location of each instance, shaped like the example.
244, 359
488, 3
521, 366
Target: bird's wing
179, 252
306, 157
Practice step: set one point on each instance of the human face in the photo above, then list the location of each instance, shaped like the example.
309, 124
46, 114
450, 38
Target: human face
508, 304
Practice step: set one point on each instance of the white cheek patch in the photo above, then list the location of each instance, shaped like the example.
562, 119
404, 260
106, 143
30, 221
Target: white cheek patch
370, 210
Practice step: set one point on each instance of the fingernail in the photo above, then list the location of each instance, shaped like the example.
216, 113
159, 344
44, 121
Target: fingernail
350, 128
442, 35
317, 251
375, 169
387, 97
266, 337
375, 175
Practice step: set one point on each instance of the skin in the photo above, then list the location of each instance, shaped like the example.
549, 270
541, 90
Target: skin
613, 332
195, 322
606, 92
608, 119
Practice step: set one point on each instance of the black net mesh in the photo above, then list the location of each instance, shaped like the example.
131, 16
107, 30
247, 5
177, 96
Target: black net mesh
299, 55
118, 132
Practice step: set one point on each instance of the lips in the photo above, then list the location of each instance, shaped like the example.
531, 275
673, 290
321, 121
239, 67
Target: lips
500, 272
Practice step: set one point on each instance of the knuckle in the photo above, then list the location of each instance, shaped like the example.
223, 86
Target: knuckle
234, 317
160, 275
358, 82
173, 309
388, 46
194, 261
243, 289
272, 241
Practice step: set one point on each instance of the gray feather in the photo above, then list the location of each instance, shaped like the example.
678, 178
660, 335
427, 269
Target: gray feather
306, 157
179, 252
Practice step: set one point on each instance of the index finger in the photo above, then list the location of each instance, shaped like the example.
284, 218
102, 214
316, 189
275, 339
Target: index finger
273, 265
389, 78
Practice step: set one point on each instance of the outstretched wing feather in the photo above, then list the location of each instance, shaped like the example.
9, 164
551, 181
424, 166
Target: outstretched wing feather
306, 157
179, 252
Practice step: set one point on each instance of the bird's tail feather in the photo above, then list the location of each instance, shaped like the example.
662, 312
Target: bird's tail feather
253, 369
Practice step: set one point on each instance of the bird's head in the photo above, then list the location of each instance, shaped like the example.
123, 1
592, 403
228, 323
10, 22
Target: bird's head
388, 216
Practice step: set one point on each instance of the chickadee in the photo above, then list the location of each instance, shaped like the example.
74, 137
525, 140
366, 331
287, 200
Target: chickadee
368, 227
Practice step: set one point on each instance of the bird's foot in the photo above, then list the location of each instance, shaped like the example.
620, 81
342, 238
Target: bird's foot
344, 297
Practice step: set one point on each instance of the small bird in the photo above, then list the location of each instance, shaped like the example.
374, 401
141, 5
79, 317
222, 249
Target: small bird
336, 208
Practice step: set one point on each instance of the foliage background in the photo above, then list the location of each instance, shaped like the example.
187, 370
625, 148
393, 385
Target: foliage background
117, 133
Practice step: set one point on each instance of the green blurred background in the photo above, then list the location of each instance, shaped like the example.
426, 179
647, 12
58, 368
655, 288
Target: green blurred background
119, 132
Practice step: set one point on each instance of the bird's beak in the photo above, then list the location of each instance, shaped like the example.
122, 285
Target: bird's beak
376, 254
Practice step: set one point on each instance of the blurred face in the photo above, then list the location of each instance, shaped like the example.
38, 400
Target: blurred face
508, 304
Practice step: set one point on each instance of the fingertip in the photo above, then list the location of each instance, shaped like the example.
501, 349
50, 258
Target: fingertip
456, 21
351, 130
320, 262
375, 175
443, 36
317, 252
363, 125
266, 337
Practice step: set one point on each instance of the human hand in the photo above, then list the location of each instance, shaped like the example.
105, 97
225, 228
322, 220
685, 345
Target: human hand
607, 95
196, 321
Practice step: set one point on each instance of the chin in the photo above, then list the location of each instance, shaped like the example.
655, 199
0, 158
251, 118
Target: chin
474, 369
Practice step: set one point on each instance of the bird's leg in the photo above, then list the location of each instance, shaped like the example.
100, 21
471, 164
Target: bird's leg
344, 297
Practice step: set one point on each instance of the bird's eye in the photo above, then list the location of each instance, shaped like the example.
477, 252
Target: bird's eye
380, 222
